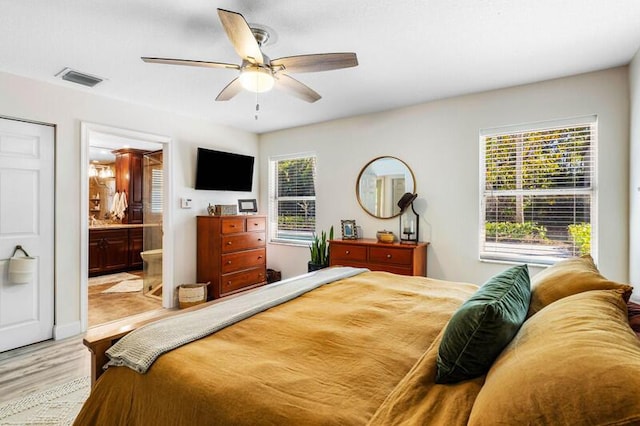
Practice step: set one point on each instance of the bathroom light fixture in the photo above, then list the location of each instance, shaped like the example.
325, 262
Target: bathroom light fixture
105, 173
256, 79
100, 171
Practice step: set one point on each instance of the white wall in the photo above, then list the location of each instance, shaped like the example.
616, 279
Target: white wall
439, 141
37, 101
634, 175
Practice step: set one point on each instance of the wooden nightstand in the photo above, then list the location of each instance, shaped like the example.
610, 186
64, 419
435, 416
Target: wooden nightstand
404, 259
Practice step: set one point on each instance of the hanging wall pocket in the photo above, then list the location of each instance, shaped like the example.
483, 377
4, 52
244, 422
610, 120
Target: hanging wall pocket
21, 269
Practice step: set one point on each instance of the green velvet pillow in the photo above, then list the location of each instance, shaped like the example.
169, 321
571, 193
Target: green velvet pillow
483, 326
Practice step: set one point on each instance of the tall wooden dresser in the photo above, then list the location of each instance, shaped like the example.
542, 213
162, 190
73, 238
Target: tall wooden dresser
231, 253
403, 259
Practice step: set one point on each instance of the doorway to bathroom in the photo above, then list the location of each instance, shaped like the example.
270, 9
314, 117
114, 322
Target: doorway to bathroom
125, 210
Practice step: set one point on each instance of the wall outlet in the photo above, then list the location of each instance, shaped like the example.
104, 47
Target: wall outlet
185, 203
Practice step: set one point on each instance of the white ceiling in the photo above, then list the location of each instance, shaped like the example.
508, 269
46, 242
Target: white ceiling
410, 51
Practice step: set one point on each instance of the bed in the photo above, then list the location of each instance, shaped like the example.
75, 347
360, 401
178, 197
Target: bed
376, 348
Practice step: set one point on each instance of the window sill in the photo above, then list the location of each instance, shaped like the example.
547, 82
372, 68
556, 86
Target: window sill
514, 262
290, 243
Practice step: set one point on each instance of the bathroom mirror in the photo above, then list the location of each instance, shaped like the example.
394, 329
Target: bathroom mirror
381, 183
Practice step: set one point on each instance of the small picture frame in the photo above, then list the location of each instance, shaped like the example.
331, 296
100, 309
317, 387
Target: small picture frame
248, 206
349, 230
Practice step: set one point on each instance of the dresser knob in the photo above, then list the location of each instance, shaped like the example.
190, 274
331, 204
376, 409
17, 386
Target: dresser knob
259, 239
228, 282
228, 262
388, 256
347, 252
259, 257
228, 243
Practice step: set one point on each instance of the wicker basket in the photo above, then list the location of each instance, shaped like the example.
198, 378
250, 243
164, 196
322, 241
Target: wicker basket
192, 294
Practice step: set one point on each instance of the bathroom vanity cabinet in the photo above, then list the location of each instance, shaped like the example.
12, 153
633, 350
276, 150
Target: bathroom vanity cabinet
114, 249
136, 244
108, 250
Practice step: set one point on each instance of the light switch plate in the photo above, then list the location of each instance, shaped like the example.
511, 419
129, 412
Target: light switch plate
185, 203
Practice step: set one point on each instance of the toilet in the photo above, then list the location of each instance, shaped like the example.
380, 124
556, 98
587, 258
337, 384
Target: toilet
152, 269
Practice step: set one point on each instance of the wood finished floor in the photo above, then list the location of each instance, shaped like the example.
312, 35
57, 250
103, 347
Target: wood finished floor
40, 366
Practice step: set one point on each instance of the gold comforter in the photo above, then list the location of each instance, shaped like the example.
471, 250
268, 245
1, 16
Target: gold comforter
331, 356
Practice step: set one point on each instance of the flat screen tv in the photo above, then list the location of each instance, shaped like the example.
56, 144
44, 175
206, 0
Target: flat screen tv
223, 171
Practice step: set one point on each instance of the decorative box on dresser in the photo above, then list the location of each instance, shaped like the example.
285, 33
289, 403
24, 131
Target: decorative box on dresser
231, 253
403, 259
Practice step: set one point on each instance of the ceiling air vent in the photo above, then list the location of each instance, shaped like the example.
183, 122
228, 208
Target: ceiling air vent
79, 77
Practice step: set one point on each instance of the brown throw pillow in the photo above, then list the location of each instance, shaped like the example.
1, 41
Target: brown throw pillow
575, 362
567, 277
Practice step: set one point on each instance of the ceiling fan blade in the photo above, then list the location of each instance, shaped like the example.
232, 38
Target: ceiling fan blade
317, 62
230, 90
191, 63
296, 88
241, 37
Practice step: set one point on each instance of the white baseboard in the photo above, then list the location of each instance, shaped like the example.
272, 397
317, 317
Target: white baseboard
66, 330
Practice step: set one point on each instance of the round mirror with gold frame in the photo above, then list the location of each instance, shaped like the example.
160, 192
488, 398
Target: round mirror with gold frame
380, 185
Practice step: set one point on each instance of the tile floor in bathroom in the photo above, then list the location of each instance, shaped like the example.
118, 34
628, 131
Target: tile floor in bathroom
106, 307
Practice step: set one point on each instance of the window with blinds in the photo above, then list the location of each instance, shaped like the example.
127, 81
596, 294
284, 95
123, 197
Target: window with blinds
156, 191
292, 198
538, 191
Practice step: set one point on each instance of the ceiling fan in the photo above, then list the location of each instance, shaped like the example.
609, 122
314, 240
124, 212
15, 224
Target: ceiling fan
258, 73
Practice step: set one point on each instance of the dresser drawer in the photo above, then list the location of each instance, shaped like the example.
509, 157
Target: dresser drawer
346, 252
242, 260
230, 283
232, 225
231, 243
256, 224
387, 267
398, 258
389, 255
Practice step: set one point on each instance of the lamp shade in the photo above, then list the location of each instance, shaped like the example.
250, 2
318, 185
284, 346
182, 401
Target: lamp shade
256, 79
406, 200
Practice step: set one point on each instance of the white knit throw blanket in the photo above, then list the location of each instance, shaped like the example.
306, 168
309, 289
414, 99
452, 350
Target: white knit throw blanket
140, 348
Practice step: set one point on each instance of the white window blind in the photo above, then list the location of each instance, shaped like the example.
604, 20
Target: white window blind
292, 198
156, 191
538, 191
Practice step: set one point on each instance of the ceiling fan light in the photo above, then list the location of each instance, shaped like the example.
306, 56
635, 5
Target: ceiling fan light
256, 79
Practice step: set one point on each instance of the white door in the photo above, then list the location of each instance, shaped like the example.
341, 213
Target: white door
26, 219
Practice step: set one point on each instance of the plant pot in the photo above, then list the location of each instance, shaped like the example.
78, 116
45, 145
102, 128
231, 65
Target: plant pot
315, 266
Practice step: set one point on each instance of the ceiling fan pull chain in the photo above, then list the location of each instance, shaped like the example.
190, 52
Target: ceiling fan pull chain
257, 106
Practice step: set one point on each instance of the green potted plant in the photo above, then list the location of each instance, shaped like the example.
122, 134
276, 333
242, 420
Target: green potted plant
319, 251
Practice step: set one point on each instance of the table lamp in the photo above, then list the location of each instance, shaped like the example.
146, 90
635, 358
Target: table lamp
409, 219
